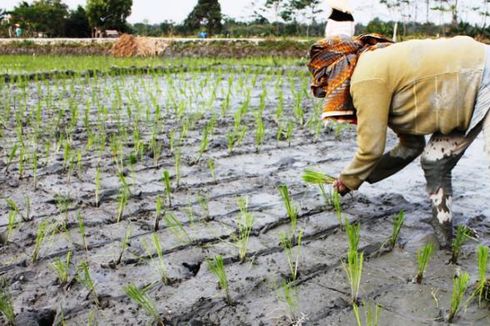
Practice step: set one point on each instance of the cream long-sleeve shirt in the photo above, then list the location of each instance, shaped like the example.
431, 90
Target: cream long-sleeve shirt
416, 88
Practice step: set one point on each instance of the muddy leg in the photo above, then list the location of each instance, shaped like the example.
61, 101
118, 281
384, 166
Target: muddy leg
438, 159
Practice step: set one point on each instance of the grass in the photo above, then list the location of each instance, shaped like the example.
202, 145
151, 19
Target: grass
142, 299
460, 285
217, 267
463, 233
423, 257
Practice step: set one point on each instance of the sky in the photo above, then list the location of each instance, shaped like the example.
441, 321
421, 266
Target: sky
156, 11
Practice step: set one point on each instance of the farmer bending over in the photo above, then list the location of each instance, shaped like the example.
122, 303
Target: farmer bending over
417, 88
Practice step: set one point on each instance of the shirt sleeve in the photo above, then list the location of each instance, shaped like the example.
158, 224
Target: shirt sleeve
408, 149
372, 100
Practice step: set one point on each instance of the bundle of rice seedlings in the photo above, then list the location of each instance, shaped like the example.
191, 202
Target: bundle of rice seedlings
463, 233
423, 258
316, 177
217, 267
460, 284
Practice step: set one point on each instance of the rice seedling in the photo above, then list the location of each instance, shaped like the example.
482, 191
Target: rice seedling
423, 258
289, 295
178, 162
259, 132
159, 212
289, 132
7, 305
27, 204
372, 314
482, 289
293, 256
81, 229
162, 268
63, 205
460, 285
357, 314
245, 222
353, 268
62, 268
13, 212
124, 243
353, 232
203, 201
40, 237
83, 277
337, 206
203, 147
122, 197
142, 299
212, 168
217, 267
176, 227
11, 156
291, 209
397, 225
168, 187
316, 177
463, 233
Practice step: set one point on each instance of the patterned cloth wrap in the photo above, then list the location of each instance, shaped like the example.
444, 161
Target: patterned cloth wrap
332, 62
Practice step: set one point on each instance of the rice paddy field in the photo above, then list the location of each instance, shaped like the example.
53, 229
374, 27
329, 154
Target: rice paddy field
178, 197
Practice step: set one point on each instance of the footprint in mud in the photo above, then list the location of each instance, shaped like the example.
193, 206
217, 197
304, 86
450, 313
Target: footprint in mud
36, 318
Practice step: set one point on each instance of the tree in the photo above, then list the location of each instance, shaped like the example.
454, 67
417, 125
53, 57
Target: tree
206, 13
45, 16
108, 14
311, 9
77, 23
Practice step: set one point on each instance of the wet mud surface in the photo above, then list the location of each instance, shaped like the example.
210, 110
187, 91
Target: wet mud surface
205, 203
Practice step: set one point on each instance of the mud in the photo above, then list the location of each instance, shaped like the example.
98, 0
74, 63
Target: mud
191, 296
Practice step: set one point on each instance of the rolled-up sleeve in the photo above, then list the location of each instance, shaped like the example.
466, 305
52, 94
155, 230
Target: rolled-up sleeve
372, 101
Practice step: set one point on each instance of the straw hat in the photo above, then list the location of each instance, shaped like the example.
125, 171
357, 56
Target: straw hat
341, 5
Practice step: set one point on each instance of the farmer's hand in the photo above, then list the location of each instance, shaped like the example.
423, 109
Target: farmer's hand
340, 187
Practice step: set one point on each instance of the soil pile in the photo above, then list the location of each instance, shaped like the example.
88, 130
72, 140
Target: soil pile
131, 46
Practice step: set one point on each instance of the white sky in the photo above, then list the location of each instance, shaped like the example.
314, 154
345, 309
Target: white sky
156, 11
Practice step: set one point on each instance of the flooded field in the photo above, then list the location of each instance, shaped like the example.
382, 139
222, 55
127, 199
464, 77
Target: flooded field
121, 195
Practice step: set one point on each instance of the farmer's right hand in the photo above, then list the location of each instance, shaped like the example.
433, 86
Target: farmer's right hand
340, 187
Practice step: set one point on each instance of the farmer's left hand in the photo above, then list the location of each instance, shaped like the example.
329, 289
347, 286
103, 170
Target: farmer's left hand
340, 187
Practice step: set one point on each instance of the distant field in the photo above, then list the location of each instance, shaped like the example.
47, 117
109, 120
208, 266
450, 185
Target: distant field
13, 64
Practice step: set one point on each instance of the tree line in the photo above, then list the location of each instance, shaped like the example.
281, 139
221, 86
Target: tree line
53, 18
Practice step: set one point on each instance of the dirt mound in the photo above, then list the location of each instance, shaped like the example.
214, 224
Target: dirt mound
131, 46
